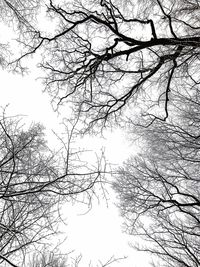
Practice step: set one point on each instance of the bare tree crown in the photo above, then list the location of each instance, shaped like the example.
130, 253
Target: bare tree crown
105, 58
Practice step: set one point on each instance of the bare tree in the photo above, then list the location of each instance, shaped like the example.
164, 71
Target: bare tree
34, 183
159, 189
18, 11
105, 57
48, 259
21, 17
57, 259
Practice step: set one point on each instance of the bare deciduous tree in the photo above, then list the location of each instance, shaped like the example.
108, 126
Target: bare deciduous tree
21, 17
18, 11
159, 189
34, 182
105, 57
56, 259
48, 259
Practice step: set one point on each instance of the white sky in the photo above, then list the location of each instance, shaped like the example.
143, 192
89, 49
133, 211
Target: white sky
98, 234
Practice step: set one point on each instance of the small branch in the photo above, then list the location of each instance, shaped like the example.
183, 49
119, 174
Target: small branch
8, 261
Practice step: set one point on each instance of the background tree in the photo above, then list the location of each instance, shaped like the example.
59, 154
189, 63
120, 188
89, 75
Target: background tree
105, 57
17, 11
159, 190
34, 183
20, 16
57, 259
48, 259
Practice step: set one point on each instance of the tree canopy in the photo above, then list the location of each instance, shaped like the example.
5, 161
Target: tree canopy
34, 183
108, 61
105, 57
159, 188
